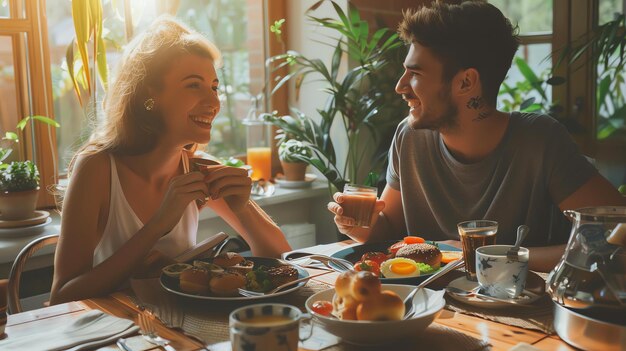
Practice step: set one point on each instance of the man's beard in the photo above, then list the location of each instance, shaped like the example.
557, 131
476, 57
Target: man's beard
445, 121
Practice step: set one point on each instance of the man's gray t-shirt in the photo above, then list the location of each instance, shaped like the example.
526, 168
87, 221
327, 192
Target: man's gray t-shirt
535, 167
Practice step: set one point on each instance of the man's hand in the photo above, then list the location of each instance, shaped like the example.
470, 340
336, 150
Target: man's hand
346, 225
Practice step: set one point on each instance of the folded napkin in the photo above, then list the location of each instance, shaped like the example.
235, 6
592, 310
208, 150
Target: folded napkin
92, 329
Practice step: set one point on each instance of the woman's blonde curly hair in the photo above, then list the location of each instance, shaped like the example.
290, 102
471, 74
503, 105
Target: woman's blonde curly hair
129, 128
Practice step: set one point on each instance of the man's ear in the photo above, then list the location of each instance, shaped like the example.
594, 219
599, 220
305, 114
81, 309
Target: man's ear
467, 81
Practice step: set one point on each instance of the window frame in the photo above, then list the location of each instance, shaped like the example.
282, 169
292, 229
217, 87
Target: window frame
34, 88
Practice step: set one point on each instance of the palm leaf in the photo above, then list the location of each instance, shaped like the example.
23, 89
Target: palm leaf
82, 26
101, 60
69, 59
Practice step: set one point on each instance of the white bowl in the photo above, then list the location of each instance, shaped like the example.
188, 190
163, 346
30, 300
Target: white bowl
428, 303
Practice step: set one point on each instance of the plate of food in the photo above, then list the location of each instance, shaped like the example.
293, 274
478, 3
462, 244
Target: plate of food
362, 311
221, 277
408, 261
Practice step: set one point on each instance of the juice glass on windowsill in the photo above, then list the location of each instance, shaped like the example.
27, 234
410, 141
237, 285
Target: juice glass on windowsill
260, 160
358, 203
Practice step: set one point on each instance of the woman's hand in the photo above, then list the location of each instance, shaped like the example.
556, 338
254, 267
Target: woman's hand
346, 225
181, 191
230, 183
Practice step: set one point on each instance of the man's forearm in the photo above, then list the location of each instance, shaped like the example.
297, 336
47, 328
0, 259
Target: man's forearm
383, 230
545, 258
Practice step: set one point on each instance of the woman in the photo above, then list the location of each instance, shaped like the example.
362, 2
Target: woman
131, 193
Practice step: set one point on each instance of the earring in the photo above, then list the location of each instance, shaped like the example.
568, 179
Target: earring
149, 104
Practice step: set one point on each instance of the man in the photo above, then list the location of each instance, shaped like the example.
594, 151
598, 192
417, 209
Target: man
457, 158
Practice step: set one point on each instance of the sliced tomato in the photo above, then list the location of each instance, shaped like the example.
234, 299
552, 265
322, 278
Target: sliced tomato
413, 240
325, 308
393, 249
367, 265
378, 257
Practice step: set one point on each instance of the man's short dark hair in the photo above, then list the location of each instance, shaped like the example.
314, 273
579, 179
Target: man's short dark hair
473, 34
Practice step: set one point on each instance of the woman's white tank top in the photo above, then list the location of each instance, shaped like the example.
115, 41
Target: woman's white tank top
123, 223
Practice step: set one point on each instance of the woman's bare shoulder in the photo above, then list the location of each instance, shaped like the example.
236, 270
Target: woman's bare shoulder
85, 206
92, 165
91, 173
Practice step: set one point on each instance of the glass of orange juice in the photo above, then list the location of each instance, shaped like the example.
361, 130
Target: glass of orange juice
260, 160
259, 152
358, 203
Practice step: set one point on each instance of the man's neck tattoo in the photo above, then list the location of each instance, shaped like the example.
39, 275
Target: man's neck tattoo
477, 103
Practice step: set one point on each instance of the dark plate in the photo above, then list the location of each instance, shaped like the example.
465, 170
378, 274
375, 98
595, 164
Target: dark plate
171, 284
354, 253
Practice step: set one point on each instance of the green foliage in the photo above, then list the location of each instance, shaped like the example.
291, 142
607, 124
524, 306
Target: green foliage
11, 136
87, 18
606, 47
276, 28
19, 176
293, 150
529, 95
309, 133
232, 162
363, 100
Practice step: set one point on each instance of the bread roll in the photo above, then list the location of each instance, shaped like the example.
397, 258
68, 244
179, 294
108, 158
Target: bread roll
424, 253
344, 307
228, 259
344, 283
364, 285
386, 306
194, 281
227, 283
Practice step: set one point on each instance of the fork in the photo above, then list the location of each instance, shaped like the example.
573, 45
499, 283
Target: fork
145, 319
343, 265
249, 293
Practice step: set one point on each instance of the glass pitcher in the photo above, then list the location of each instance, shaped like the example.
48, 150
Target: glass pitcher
592, 271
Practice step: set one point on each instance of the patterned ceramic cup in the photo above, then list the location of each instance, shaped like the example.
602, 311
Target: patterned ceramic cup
499, 276
269, 326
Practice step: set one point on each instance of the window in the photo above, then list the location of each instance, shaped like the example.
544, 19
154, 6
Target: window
594, 114
534, 19
235, 26
24, 85
610, 83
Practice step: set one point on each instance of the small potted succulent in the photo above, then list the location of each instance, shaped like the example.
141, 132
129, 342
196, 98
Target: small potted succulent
19, 180
293, 155
19, 190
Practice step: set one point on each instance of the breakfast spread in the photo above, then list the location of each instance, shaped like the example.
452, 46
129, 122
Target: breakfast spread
359, 296
407, 258
226, 273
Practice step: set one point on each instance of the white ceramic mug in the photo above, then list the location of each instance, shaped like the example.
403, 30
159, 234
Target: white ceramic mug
499, 276
269, 326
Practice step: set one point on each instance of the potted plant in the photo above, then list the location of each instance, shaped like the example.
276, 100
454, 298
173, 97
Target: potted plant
362, 102
293, 155
19, 190
19, 180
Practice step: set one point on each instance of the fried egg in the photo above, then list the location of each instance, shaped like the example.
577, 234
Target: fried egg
399, 268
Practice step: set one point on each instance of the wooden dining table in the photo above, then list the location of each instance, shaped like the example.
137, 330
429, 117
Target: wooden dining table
121, 304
